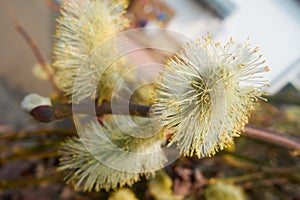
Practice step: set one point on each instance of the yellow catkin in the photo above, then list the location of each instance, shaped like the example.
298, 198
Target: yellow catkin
81, 52
219, 87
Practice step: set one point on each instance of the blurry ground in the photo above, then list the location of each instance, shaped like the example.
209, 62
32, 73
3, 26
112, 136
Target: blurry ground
265, 171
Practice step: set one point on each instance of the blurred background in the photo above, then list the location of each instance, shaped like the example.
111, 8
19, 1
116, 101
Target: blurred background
273, 25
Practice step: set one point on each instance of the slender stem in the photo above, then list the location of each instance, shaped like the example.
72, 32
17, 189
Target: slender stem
243, 178
52, 5
25, 182
12, 135
27, 156
60, 111
290, 173
272, 137
36, 52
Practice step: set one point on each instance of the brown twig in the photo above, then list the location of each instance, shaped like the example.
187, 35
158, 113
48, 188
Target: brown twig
60, 111
52, 5
30, 181
13, 135
272, 137
34, 48
37, 54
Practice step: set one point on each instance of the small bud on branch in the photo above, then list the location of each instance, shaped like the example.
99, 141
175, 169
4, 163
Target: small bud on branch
45, 113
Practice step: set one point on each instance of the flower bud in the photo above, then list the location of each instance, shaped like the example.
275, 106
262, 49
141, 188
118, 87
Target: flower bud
39, 107
32, 101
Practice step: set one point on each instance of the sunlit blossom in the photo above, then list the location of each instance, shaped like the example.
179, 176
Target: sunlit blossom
82, 27
106, 157
205, 94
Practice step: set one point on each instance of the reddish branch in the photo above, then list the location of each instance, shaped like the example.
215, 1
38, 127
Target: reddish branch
60, 111
36, 52
272, 137
52, 5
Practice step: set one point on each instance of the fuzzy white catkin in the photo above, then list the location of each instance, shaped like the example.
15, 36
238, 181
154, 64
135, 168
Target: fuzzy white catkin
106, 157
82, 50
205, 94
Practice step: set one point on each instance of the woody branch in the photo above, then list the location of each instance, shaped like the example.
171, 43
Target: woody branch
60, 111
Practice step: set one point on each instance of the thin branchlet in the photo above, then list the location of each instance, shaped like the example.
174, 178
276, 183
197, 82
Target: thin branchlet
49, 113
